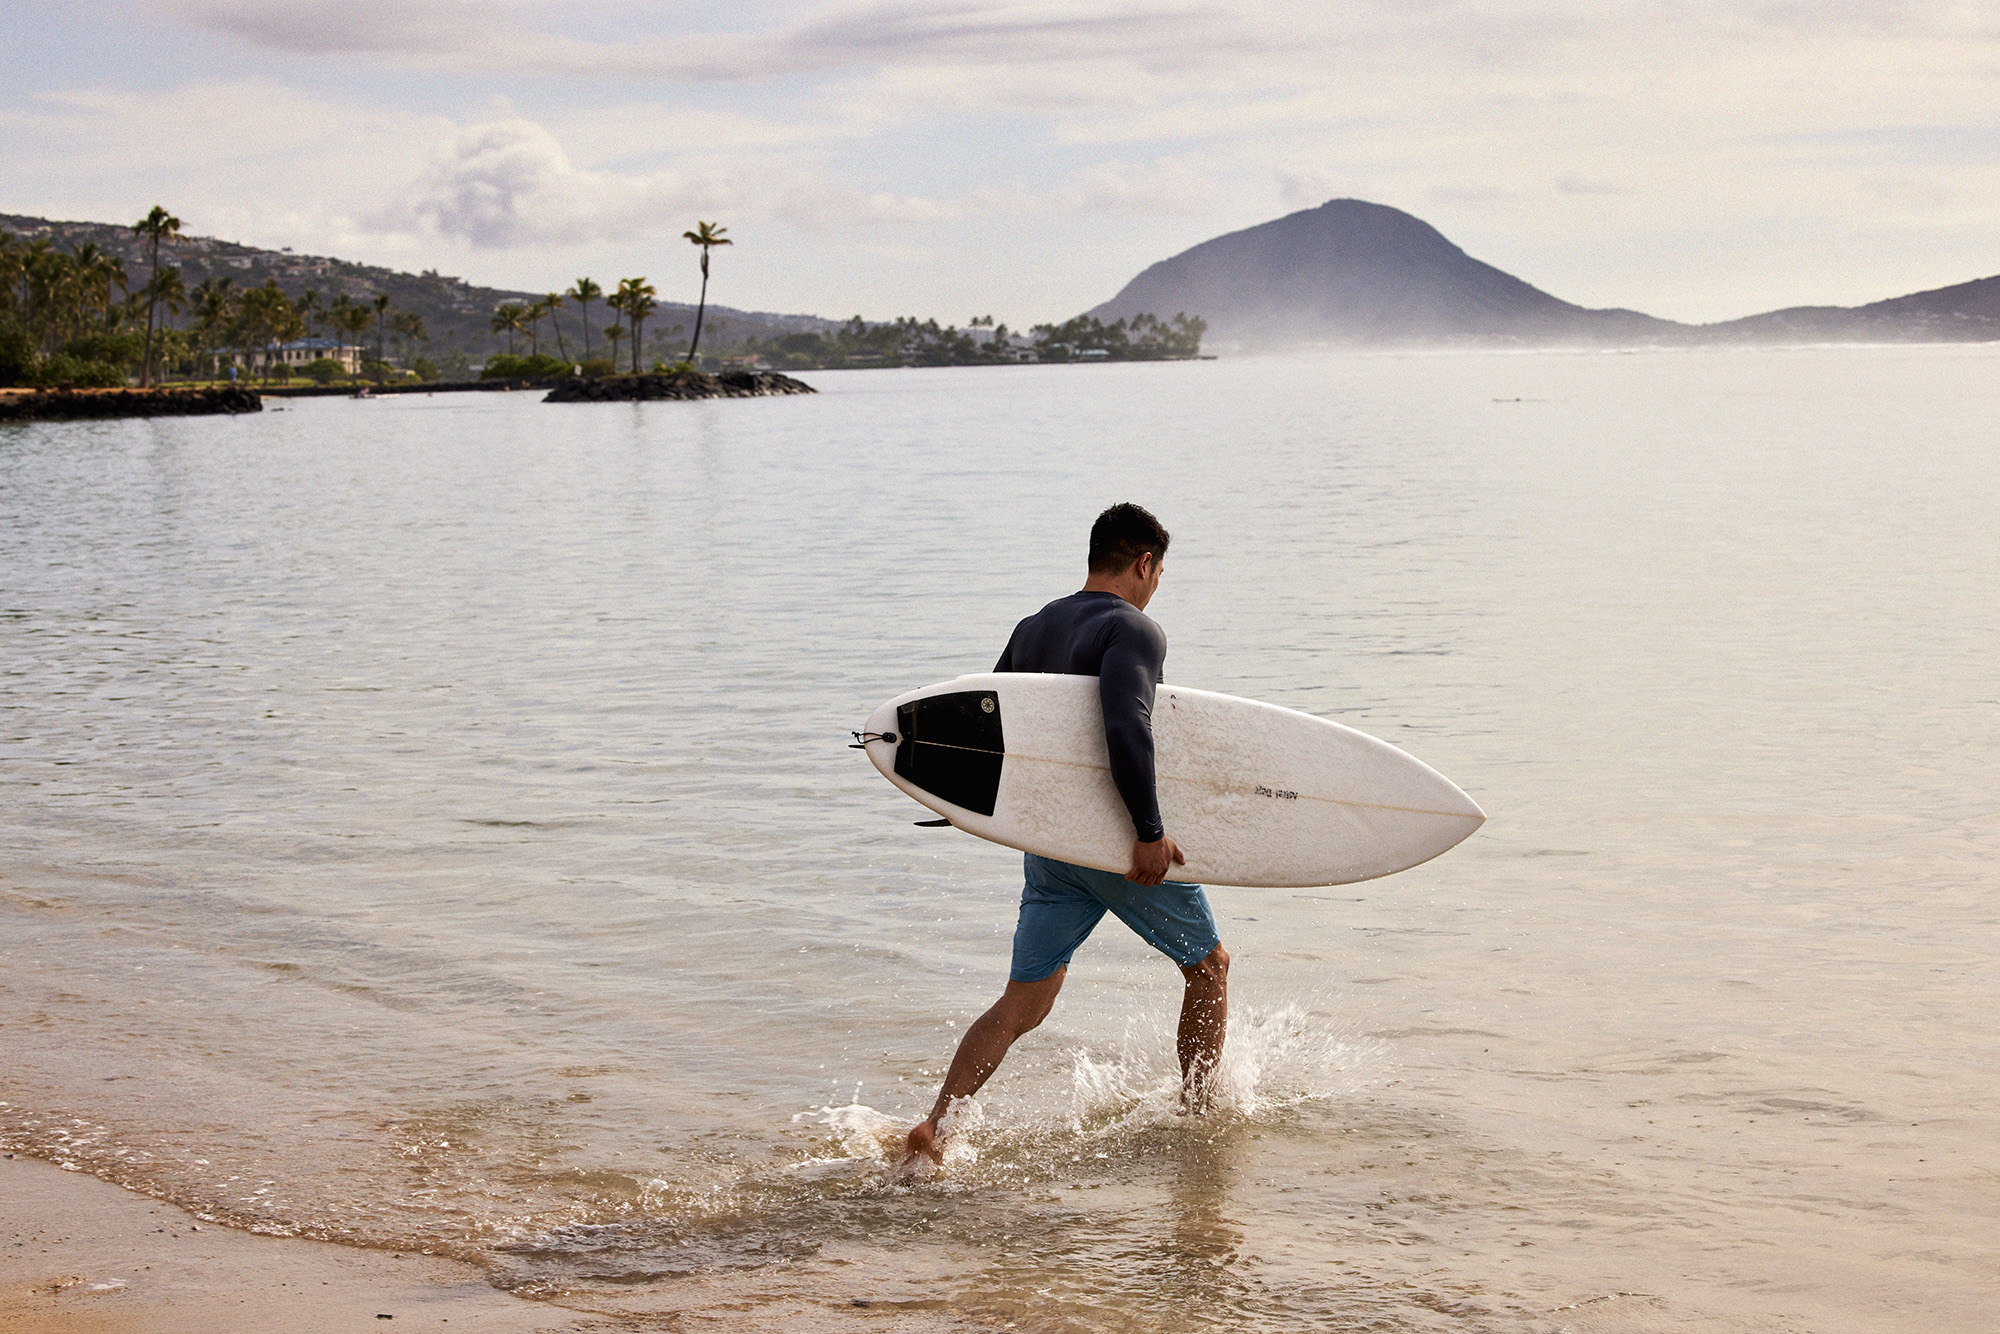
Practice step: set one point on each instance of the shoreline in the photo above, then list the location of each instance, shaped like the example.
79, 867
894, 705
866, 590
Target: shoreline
81, 1256
44, 405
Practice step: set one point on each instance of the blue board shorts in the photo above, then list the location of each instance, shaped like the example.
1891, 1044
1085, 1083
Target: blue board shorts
1061, 904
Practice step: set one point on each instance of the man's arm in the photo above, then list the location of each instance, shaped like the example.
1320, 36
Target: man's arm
1125, 686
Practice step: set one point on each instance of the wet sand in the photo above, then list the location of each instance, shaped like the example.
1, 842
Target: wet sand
78, 1256
81, 1256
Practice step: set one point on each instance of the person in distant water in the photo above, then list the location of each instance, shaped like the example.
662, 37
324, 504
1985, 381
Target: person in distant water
1103, 631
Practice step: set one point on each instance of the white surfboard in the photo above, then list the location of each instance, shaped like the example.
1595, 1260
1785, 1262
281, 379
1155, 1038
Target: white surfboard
1252, 793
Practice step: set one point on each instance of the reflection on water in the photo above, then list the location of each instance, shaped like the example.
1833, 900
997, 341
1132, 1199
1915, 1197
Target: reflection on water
429, 826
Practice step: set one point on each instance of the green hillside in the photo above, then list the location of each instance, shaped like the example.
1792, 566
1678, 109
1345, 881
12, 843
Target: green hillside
456, 314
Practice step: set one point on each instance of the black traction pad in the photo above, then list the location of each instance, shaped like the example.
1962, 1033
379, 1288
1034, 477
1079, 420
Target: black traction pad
952, 747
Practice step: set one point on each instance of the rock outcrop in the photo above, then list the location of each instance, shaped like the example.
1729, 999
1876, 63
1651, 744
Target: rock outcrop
89, 404
677, 385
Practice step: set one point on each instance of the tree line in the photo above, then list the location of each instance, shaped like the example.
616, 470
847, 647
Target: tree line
912, 342
633, 302
78, 317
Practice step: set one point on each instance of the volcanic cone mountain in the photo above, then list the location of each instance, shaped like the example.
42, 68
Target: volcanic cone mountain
1359, 273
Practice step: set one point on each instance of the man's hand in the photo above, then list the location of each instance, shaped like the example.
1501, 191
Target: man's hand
1152, 861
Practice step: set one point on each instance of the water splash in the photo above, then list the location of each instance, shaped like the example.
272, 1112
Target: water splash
1274, 1061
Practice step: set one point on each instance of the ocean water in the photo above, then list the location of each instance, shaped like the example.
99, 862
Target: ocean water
428, 824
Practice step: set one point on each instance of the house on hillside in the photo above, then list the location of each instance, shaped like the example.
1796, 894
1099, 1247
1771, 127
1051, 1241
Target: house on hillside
295, 355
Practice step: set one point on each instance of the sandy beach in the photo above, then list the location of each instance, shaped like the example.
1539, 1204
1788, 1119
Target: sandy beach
83, 1257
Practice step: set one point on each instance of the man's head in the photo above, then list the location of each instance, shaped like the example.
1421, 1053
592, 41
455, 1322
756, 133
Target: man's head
1127, 549
1121, 535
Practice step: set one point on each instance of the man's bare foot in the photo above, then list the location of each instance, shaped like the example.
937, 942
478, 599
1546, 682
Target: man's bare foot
1197, 1095
922, 1143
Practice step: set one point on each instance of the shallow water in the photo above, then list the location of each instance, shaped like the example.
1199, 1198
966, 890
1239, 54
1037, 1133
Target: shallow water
428, 825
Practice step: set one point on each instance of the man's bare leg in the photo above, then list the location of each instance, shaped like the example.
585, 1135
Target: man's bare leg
1020, 1008
1204, 1023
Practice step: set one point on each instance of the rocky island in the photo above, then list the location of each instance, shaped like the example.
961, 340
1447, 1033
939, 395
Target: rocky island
41, 405
676, 385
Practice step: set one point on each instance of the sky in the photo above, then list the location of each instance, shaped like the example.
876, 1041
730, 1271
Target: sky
1694, 159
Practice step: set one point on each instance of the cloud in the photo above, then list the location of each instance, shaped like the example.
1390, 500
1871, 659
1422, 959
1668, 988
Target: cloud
387, 27
511, 183
1213, 44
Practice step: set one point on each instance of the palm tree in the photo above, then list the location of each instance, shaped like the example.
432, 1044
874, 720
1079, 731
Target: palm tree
212, 312
157, 226
352, 320
583, 291
409, 327
531, 320
265, 318
86, 286
635, 297
612, 333
381, 326
705, 235
168, 289
309, 310
509, 320
552, 303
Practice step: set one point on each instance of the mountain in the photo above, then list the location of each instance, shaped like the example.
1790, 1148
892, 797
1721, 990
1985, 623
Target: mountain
1354, 272
1363, 274
1964, 313
455, 312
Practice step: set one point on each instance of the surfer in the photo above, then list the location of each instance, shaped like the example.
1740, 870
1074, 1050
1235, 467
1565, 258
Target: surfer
1103, 631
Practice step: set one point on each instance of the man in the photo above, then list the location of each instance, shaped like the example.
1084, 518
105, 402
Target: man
1103, 631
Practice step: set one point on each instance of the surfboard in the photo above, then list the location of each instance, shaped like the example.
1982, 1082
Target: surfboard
1254, 794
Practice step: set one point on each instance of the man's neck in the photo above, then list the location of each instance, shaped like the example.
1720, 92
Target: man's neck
1127, 584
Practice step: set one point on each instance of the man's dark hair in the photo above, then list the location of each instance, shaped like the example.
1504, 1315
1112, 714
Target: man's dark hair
1121, 535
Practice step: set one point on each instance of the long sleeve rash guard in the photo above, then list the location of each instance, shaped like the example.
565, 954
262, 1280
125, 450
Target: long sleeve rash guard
1103, 635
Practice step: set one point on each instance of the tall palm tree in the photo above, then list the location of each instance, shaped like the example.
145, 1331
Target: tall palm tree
169, 289
705, 235
381, 326
157, 226
409, 327
509, 320
531, 321
583, 291
636, 298
213, 301
612, 333
87, 284
310, 310
265, 318
552, 303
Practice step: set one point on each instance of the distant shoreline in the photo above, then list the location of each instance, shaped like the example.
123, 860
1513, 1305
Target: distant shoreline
32, 405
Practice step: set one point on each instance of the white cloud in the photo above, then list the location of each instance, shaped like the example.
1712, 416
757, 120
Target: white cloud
1587, 144
383, 27
511, 183
1193, 43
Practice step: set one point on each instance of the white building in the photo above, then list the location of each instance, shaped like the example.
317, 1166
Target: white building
296, 355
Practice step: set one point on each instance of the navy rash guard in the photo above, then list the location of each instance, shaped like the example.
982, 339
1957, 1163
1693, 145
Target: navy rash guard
1103, 635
